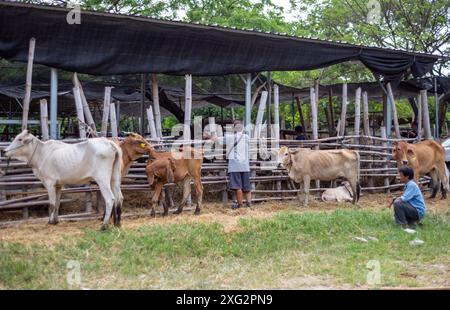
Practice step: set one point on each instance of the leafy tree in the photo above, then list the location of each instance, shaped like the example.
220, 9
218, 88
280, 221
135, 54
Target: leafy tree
412, 25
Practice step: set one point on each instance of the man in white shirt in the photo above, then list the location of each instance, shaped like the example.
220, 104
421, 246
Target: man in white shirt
238, 155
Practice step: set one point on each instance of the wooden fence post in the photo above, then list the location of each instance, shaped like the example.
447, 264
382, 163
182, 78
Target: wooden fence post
151, 123
80, 114
343, 110
156, 108
87, 112
187, 108
112, 115
385, 144
357, 114
106, 106
419, 117
27, 97
394, 111
366, 114
260, 115
426, 115
300, 111
315, 122
44, 119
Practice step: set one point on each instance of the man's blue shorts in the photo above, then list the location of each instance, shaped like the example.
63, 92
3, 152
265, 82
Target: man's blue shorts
240, 180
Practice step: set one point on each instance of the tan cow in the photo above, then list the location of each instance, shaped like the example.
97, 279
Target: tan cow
305, 165
425, 157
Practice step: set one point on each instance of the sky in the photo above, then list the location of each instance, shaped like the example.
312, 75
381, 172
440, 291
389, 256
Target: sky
287, 6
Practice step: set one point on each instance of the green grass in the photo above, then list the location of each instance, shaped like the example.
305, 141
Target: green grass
289, 250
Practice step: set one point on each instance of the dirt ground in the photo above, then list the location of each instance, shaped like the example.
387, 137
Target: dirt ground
39, 232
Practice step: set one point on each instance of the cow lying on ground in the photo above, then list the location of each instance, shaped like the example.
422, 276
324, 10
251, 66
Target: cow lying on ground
160, 172
425, 157
305, 165
56, 164
339, 194
187, 167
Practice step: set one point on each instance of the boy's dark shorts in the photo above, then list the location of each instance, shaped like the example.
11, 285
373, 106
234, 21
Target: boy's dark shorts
240, 180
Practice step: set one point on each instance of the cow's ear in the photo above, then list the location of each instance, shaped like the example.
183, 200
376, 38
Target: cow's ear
411, 154
293, 151
27, 139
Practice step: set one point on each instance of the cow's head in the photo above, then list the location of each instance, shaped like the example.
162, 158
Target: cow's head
403, 153
284, 157
22, 146
135, 146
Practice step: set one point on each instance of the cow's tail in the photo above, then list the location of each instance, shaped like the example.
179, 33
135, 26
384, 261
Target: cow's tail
116, 179
358, 176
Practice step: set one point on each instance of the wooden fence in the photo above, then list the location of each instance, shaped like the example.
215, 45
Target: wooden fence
21, 190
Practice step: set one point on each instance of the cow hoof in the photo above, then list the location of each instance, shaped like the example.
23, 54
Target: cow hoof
153, 214
104, 227
178, 211
52, 222
197, 212
165, 214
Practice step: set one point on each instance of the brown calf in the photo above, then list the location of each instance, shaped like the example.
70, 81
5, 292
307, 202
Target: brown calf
160, 172
187, 167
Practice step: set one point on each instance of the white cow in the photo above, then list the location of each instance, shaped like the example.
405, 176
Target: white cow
56, 164
339, 194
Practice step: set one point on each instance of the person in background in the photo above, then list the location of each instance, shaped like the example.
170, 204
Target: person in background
238, 155
410, 208
300, 134
411, 133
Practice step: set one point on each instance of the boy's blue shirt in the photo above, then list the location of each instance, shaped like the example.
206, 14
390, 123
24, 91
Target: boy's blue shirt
414, 196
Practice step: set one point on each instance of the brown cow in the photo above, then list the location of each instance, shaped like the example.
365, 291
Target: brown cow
425, 157
188, 166
160, 172
305, 165
133, 147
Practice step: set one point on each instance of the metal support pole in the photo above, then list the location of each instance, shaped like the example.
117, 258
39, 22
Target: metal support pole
53, 104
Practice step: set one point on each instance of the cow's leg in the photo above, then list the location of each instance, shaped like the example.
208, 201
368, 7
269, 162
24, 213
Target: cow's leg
118, 199
58, 191
443, 180
436, 183
306, 184
299, 193
199, 191
354, 185
163, 202
108, 196
51, 189
186, 194
156, 197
